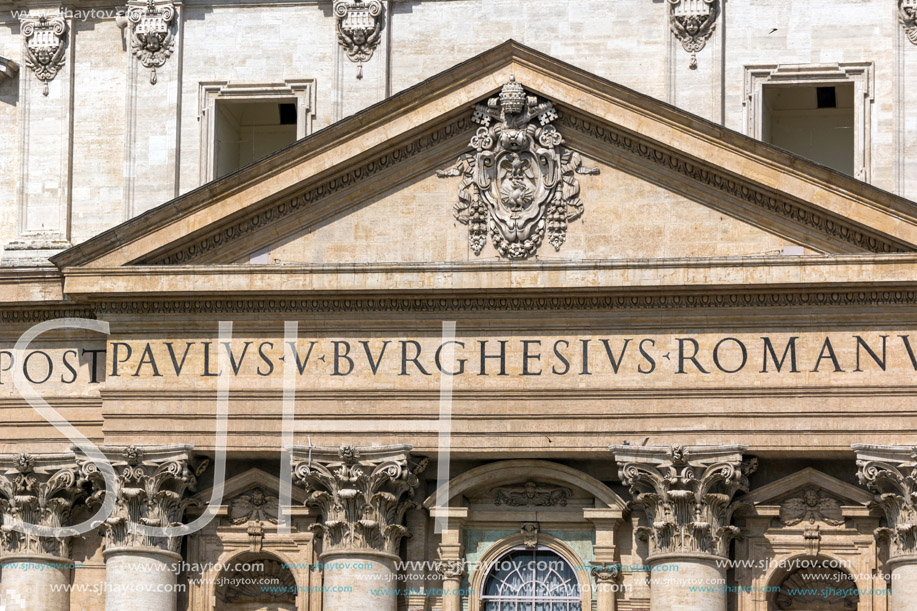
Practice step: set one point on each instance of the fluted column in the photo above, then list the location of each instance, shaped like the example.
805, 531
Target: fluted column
39, 490
891, 473
362, 494
687, 493
151, 487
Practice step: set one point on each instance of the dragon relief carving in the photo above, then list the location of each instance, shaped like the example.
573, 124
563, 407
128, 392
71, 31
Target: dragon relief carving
45, 45
359, 28
811, 507
531, 494
152, 39
693, 23
519, 185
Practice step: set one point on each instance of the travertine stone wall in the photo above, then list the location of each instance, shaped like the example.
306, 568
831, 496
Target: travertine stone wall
136, 145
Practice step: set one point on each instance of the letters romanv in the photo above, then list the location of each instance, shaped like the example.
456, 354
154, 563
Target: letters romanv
660, 355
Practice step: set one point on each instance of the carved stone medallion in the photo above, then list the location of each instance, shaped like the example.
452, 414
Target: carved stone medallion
532, 494
693, 23
519, 184
359, 27
152, 40
45, 46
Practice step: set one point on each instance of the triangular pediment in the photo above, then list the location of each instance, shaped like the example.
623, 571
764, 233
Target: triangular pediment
795, 485
365, 191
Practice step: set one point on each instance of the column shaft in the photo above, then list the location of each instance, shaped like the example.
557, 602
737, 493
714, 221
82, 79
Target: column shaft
35, 583
138, 580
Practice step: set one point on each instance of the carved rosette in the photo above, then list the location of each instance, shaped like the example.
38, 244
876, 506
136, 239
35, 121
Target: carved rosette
39, 490
891, 473
693, 23
45, 45
907, 15
687, 494
362, 494
519, 185
151, 34
152, 487
359, 26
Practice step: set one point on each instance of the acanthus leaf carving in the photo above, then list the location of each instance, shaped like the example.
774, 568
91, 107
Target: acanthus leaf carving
812, 507
519, 185
687, 494
907, 15
45, 45
38, 490
693, 23
362, 494
151, 34
531, 494
151, 490
890, 472
359, 25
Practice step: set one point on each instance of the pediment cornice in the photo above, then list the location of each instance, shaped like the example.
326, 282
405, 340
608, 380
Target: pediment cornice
421, 129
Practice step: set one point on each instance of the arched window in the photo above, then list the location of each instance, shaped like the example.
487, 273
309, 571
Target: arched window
531, 580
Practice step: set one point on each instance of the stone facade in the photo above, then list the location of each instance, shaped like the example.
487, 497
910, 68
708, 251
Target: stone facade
481, 317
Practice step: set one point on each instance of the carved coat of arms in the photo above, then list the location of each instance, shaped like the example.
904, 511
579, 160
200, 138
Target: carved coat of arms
152, 40
44, 46
519, 185
359, 28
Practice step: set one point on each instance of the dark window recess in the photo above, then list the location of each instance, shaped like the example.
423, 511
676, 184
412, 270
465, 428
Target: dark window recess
288, 113
827, 97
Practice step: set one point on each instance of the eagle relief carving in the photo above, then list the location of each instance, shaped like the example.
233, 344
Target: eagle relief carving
519, 185
532, 494
811, 507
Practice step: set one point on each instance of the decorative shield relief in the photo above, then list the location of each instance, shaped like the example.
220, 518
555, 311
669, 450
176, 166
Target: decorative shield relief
152, 40
693, 22
519, 184
44, 46
907, 15
359, 28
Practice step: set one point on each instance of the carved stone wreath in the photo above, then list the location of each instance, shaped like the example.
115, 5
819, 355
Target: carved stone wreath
359, 26
531, 494
152, 40
693, 23
44, 46
519, 184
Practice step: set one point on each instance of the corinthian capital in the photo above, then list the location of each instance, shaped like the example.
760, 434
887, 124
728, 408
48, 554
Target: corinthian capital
362, 493
151, 487
37, 490
687, 493
891, 473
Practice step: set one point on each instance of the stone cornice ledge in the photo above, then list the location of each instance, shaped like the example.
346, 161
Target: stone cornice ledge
847, 272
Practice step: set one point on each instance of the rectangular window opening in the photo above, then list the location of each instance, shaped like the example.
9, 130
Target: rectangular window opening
249, 130
814, 122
